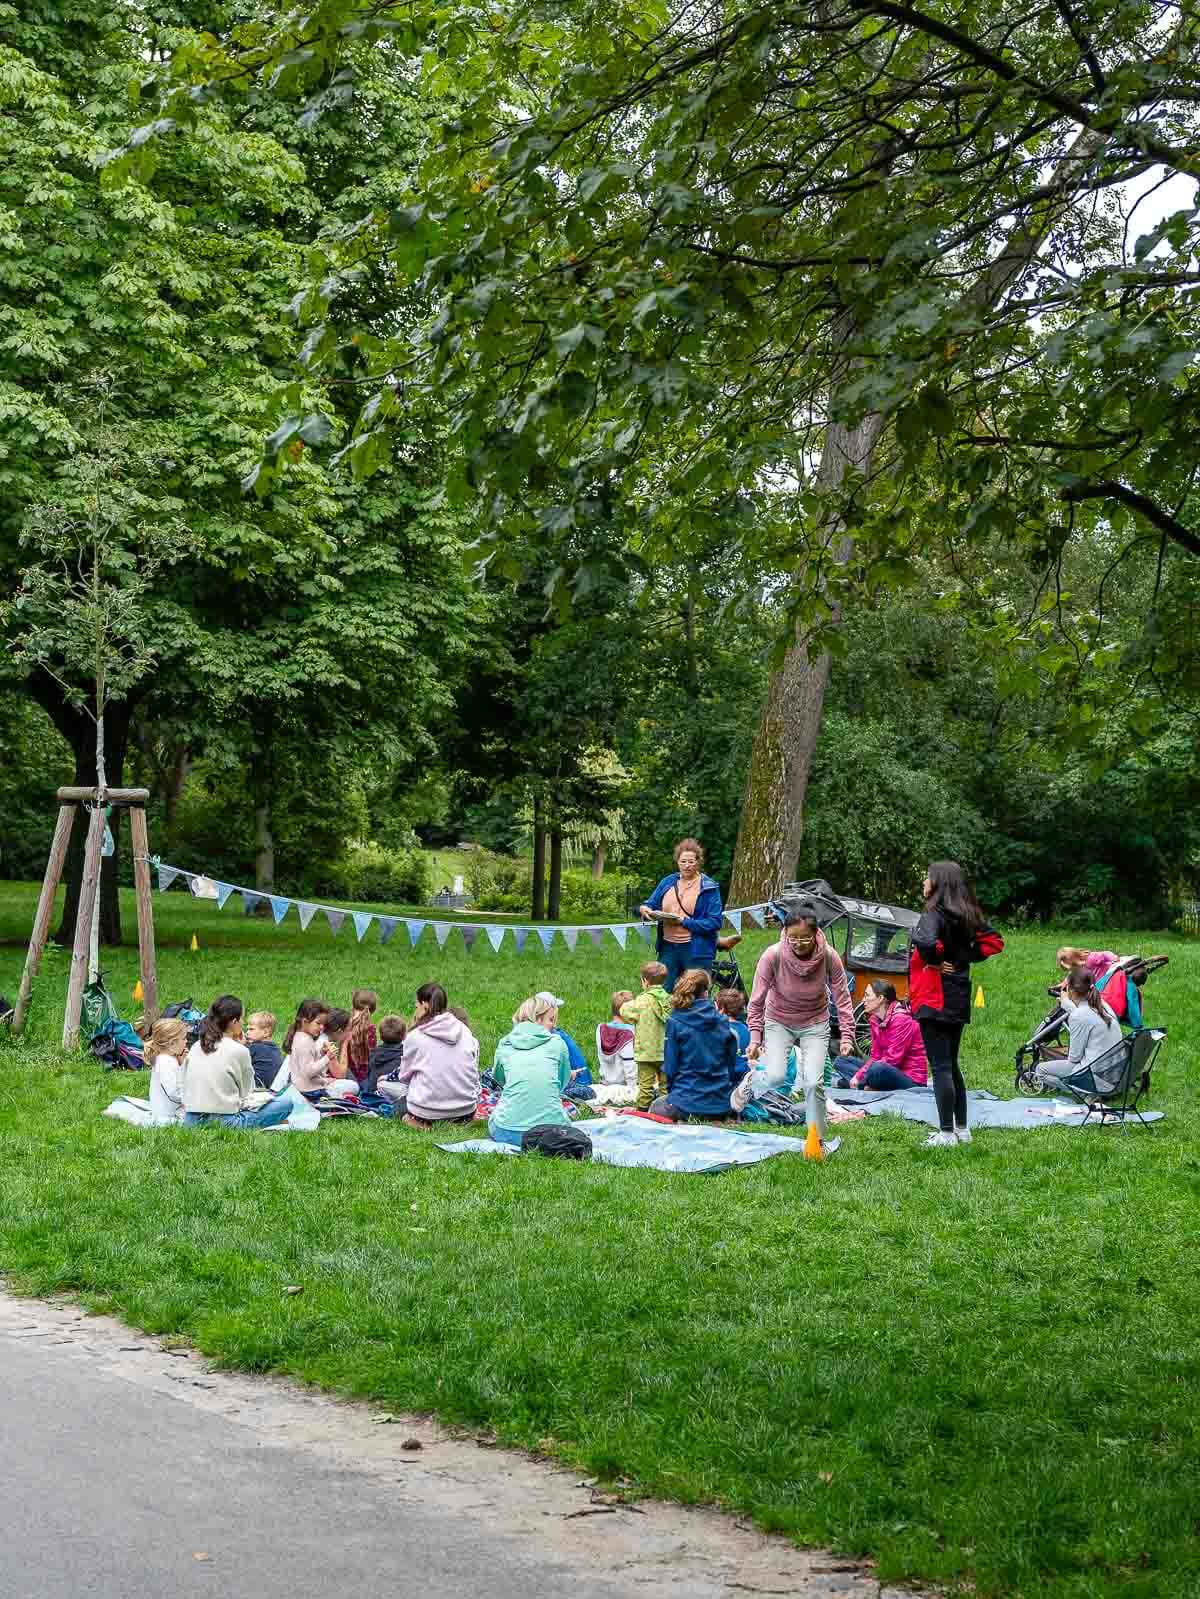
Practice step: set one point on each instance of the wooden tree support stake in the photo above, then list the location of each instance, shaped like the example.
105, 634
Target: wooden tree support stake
133, 800
88, 889
41, 922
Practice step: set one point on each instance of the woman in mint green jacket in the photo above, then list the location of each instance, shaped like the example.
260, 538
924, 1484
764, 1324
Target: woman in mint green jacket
533, 1069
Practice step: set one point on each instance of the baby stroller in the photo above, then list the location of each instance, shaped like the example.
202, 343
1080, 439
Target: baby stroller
1048, 1041
725, 970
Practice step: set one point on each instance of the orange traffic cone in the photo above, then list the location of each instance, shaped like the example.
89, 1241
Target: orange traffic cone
812, 1144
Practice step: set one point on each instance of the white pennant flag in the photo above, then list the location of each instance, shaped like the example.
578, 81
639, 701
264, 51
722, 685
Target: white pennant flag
307, 912
571, 934
619, 932
441, 931
495, 935
734, 919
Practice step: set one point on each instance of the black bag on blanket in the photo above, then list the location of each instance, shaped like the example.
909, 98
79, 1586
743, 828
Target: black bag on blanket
565, 1143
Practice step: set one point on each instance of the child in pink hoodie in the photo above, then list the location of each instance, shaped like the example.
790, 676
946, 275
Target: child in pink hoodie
439, 1074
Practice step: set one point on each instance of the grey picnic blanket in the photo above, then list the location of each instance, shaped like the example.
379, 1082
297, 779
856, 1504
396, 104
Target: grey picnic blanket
984, 1109
683, 1146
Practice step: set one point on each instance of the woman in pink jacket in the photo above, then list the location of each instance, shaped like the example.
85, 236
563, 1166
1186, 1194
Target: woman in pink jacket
898, 1057
439, 1074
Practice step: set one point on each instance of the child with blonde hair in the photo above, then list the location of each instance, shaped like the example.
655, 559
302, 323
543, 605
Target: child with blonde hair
167, 1047
614, 1045
648, 1012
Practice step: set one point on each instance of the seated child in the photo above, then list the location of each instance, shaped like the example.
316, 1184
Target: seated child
533, 1071
388, 1053
580, 1086
614, 1045
306, 1061
648, 1013
333, 1036
464, 1018
361, 1037
731, 1002
265, 1054
700, 1056
167, 1048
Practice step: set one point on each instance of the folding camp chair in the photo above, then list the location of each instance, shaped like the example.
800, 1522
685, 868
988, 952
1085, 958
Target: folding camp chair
1115, 1081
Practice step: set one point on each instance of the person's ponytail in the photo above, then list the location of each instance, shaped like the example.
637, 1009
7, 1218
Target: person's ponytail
222, 1014
1081, 986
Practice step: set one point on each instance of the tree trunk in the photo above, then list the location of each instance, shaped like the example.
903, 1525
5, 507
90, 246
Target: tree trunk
264, 848
80, 731
598, 856
554, 892
772, 821
173, 792
539, 863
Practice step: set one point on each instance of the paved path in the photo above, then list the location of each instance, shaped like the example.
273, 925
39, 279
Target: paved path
128, 1471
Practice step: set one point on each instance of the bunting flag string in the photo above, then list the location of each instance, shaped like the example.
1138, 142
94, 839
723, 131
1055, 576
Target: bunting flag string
204, 887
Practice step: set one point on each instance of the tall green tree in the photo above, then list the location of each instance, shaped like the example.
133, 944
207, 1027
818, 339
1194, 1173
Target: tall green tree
677, 255
331, 611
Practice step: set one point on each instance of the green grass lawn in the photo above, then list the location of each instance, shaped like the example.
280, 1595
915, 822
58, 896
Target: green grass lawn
976, 1365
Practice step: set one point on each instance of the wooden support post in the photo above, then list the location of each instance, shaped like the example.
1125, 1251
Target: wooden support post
145, 911
41, 922
88, 890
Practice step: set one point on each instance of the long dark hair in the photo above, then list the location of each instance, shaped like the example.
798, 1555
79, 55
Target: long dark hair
433, 995
951, 894
222, 1013
1081, 986
307, 1011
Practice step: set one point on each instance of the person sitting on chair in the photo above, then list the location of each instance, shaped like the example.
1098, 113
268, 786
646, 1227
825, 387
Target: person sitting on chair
1093, 1028
898, 1058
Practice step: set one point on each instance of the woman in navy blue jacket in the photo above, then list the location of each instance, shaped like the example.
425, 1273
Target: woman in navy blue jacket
700, 1058
687, 907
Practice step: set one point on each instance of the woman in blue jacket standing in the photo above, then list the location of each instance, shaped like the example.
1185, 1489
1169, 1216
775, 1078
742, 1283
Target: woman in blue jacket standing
687, 907
700, 1056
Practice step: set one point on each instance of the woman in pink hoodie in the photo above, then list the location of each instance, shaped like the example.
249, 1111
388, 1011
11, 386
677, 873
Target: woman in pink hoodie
898, 1057
789, 1009
440, 1070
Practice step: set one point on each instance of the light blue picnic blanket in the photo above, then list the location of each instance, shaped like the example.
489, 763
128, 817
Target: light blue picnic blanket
685, 1146
984, 1109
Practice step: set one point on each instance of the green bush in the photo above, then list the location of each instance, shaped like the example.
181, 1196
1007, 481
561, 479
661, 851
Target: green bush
375, 875
594, 899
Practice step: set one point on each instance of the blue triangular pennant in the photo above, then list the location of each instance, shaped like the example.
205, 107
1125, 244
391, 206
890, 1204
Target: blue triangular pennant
755, 913
441, 931
596, 934
335, 919
306, 912
571, 934
620, 933
223, 892
495, 935
387, 926
279, 907
415, 929
166, 876
734, 919
470, 934
362, 920
521, 937
646, 933
546, 934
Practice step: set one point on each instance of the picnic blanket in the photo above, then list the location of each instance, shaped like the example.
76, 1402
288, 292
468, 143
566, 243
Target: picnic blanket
658, 1146
984, 1109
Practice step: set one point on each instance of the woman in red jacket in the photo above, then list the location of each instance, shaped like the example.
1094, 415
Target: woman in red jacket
952, 933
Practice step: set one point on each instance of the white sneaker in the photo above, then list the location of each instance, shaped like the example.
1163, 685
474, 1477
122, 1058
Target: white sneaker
743, 1093
940, 1140
962, 1135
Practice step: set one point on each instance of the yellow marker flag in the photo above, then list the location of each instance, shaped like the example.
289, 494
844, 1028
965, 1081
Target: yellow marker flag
138, 992
195, 944
979, 997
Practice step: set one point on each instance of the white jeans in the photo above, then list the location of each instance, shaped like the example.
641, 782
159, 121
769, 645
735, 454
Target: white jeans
812, 1049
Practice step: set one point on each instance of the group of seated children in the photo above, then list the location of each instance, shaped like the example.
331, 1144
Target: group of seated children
681, 1054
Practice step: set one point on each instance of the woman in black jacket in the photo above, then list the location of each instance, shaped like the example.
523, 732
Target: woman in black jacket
952, 933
